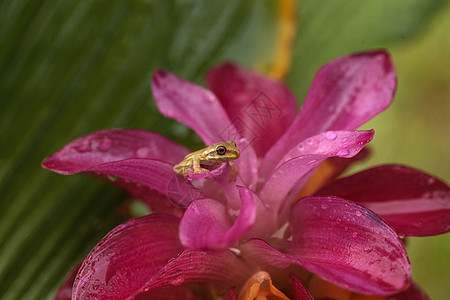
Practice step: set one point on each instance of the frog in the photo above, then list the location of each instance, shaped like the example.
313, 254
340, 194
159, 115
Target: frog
213, 156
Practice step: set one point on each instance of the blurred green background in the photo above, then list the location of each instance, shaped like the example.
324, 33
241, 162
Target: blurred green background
71, 67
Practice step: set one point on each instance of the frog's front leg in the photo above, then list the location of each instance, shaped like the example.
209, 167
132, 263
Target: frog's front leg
234, 171
196, 166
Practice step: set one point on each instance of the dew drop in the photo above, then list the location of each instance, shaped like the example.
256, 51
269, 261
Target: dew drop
344, 140
113, 178
84, 146
143, 152
343, 152
354, 234
323, 206
301, 147
309, 141
358, 213
105, 144
331, 135
430, 181
177, 281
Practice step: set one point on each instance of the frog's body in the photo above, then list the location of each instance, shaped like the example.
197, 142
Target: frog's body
209, 156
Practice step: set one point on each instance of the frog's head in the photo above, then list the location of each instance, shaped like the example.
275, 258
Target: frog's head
224, 151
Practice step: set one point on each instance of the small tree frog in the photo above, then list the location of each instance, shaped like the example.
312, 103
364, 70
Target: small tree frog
212, 156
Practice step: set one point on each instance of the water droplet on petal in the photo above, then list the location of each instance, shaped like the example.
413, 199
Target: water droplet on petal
343, 152
324, 206
177, 281
301, 147
309, 141
430, 181
84, 146
105, 144
331, 135
344, 140
358, 213
143, 152
354, 234
113, 178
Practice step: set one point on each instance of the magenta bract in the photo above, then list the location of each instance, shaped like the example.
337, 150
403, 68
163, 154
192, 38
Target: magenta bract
229, 230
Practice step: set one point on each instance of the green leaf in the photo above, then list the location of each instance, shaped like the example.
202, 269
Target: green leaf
71, 67
329, 29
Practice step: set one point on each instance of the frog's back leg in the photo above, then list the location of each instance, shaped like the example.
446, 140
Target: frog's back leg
182, 167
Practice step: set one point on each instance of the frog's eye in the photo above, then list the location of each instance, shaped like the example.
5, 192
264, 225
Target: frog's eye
221, 150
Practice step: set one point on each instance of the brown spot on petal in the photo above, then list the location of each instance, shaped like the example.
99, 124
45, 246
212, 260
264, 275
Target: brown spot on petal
260, 287
321, 289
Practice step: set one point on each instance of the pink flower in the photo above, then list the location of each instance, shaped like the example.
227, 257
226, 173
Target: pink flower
218, 234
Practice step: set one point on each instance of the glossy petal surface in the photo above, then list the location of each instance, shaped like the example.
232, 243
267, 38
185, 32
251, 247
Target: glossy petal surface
343, 243
168, 293
206, 224
299, 291
261, 108
291, 175
151, 173
140, 177
127, 258
113, 145
349, 246
191, 105
345, 93
221, 268
412, 202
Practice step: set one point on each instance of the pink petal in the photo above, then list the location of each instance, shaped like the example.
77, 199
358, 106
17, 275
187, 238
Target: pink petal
207, 224
299, 292
414, 292
265, 223
153, 174
113, 145
222, 268
168, 293
247, 165
191, 105
190, 175
223, 187
65, 290
261, 108
348, 245
412, 202
291, 175
135, 160
345, 94
343, 243
127, 258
